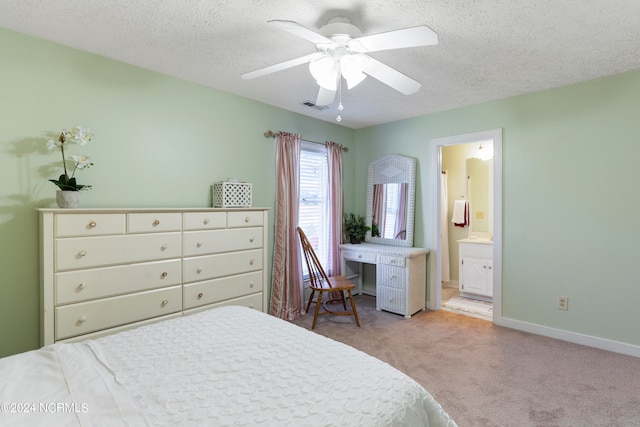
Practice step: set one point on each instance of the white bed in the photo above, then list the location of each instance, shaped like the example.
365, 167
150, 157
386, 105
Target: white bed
230, 366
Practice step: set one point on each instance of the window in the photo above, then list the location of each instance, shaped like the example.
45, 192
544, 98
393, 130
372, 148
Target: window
313, 216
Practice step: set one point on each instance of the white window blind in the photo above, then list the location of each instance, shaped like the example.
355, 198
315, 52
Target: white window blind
313, 206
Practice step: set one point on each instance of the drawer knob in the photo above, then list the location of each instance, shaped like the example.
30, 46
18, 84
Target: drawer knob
199, 244
247, 219
81, 286
198, 270
156, 223
82, 319
251, 284
251, 239
92, 224
250, 305
164, 302
251, 261
206, 221
200, 295
390, 299
82, 253
164, 274
164, 247
359, 256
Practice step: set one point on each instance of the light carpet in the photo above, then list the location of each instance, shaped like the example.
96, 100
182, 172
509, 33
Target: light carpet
487, 375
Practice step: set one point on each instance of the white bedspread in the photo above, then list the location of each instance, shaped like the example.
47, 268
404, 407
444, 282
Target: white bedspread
230, 366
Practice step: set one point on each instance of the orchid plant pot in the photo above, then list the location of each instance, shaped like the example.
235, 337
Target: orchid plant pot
68, 199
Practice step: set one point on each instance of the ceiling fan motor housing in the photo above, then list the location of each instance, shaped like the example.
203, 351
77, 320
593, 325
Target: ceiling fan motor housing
340, 30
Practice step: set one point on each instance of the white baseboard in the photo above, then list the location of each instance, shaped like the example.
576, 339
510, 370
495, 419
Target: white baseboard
573, 337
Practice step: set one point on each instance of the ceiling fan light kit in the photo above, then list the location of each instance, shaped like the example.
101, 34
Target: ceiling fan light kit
341, 53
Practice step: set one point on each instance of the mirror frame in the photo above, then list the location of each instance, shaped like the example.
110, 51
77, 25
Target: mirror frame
392, 169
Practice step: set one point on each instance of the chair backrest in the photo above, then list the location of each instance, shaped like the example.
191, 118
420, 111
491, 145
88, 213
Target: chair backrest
317, 274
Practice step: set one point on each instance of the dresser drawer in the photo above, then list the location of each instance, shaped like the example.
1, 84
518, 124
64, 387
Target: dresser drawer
84, 252
71, 225
369, 258
154, 222
211, 291
84, 317
204, 220
391, 276
216, 241
82, 285
244, 219
391, 299
207, 267
250, 301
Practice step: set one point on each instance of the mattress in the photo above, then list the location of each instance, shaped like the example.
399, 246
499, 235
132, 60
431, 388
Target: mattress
229, 366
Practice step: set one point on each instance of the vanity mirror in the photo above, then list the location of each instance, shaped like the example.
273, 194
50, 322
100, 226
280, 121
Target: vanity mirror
391, 189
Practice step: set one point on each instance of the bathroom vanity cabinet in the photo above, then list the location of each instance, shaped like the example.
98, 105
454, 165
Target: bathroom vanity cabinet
476, 268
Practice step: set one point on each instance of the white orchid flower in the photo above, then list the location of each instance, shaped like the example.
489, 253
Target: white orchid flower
82, 162
79, 135
51, 144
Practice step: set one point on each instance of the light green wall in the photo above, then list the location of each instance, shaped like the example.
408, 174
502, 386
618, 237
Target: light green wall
569, 195
570, 158
159, 141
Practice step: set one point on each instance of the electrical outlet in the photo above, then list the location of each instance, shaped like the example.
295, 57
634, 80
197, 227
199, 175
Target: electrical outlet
563, 303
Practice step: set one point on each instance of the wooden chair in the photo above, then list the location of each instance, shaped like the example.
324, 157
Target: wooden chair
321, 283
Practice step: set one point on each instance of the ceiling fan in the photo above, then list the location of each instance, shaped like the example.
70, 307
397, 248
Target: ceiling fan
342, 53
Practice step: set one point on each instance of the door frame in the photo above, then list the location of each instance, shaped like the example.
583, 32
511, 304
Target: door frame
436, 144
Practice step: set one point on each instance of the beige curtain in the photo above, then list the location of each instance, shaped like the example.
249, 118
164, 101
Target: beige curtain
286, 287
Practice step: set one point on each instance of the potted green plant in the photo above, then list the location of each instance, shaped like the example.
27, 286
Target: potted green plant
355, 227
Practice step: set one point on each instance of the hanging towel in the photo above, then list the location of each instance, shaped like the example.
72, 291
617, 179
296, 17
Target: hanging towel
460, 217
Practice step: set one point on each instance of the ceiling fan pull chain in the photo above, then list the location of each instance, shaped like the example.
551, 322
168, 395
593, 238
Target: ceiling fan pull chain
340, 107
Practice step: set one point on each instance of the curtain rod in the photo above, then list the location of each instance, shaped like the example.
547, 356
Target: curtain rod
272, 134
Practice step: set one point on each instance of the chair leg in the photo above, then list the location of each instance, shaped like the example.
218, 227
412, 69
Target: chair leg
310, 299
353, 307
344, 302
318, 304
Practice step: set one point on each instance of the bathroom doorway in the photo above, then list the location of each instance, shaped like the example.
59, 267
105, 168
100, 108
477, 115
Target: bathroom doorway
475, 236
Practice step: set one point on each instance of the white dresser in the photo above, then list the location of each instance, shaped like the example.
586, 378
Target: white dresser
476, 268
104, 270
400, 274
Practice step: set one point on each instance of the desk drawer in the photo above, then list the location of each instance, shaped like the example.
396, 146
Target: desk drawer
391, 299
394, 277
72, 225
366, 257
391, 260
84, 317
83, 285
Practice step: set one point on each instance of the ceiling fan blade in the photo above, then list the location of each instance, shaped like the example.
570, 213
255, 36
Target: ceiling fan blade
300, 31
390, 77
398, 39
282, 66
325, 96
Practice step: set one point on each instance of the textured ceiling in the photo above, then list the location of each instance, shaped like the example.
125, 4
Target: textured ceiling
488, 49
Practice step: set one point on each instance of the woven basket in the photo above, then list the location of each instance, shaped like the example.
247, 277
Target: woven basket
231, 195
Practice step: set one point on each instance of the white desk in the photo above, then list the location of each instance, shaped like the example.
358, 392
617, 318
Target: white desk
401, 274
